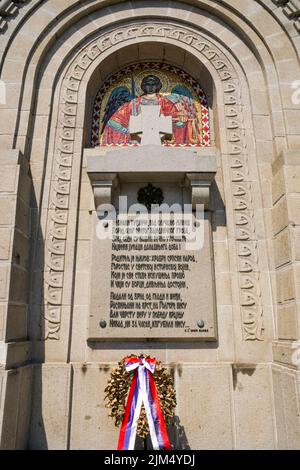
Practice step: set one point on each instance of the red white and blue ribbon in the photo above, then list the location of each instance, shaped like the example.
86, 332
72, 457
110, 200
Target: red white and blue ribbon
143, 391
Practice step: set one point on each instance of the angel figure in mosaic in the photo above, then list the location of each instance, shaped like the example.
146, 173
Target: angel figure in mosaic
179, 104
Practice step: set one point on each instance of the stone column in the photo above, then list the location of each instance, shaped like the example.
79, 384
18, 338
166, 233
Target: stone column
15, 375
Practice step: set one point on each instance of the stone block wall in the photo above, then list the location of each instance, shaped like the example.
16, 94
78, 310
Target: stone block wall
15, 382
211, 411
286, 232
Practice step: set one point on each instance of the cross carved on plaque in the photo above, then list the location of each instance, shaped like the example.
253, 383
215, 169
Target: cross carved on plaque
150, 124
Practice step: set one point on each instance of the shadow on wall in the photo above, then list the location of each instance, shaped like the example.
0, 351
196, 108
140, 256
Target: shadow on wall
177, 436
37, 438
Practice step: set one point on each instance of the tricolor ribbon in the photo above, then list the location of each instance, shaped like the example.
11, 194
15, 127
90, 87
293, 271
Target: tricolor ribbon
143, 391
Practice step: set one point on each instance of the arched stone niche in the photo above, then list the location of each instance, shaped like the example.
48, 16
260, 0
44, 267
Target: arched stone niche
142, 53
230, 98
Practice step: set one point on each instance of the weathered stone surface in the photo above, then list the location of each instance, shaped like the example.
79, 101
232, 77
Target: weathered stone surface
92, 428
2, 318
285, 285
280, 216
5, 243
9, 386
4, 275
17, 319
209, 412
286, 408
288, 318
252, 385
24, 407
8, 179
282, 248
15, 401
49, 424
6, 209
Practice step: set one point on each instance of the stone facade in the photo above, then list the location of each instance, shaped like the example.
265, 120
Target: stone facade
239, 392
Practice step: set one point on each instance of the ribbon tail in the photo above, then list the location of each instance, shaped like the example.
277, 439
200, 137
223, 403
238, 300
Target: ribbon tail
125, 431
147, 406
158, 417
133, 428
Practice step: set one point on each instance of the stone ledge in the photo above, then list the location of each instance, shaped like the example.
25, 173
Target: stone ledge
291, 9
8, 10
188, 168
10, 157
156, 163
285, 352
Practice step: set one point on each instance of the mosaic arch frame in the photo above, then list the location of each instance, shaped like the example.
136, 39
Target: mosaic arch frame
169, 75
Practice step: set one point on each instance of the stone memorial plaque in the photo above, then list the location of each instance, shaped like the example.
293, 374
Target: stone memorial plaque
153, 289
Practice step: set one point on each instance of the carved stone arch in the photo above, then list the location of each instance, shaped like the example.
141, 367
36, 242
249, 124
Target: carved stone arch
67, 161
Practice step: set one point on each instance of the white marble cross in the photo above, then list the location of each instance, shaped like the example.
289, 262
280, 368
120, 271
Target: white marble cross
150, 124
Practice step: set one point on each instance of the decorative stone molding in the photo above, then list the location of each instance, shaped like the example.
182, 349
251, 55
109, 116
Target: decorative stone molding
103, 189
197, 171
201, 186
245, 231
291, 9
9, 9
